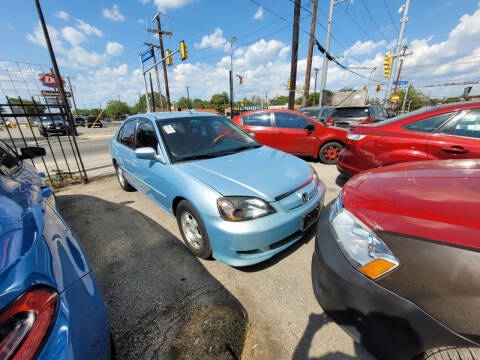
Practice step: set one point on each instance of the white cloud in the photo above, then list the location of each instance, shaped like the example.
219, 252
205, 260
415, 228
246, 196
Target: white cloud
365, 47
10, 26
62, 15
113, 14
143, 2
113, 48
88, 29
73, 36
141, 21
78, 57
214, 40
259, 14
163, 5
37, 38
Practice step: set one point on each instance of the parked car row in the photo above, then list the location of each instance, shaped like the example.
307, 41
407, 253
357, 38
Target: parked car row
89, 121
395, 259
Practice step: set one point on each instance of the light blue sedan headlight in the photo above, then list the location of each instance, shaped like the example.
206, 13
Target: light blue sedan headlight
241, 208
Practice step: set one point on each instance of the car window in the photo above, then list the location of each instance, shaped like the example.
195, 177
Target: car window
290, 121
9, 161
146, 136
128, 133
469, 125
351, 112
313, 113
194, 138
428, 125
257, 119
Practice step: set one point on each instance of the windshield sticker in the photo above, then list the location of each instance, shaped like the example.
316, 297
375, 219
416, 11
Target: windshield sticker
169, 129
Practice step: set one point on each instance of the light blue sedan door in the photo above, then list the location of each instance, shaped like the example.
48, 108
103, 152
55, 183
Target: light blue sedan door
150, 174
126, 146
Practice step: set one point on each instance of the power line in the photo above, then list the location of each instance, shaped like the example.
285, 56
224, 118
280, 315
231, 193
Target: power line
373, 20
390, 15
355, 22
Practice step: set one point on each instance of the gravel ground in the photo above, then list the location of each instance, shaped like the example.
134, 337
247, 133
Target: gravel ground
151, 284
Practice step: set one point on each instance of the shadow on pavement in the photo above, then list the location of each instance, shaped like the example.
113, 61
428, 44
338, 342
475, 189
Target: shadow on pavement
315, 323
162, 303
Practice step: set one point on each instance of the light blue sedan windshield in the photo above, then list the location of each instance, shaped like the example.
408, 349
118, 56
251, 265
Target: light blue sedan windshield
195, 138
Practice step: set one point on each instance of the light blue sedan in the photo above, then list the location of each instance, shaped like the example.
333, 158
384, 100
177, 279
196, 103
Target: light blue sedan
233, 198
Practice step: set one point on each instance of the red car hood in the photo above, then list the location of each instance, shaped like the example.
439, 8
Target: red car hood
437, 200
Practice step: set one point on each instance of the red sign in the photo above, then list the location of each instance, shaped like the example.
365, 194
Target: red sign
49, 80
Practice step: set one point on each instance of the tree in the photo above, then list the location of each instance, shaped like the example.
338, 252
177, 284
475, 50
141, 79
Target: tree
279, 100
141, 105
117, 108
182, 103
199, 104
415, 98
219, 102
30, 106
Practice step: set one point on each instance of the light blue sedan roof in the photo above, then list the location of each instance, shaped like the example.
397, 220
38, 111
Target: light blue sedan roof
173, 114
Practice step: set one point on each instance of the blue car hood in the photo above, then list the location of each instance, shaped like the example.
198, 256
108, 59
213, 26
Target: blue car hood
263, 172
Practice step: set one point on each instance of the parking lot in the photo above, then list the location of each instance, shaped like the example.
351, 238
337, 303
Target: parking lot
152, 285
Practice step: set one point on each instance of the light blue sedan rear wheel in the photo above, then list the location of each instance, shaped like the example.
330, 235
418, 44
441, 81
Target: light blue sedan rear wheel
193, 230
124, 184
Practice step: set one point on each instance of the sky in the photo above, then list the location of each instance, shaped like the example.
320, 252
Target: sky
97, 43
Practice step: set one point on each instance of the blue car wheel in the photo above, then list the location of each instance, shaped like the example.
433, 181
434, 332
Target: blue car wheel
124, 184
193, 230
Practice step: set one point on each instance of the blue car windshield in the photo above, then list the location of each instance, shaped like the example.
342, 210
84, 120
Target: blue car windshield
196, 138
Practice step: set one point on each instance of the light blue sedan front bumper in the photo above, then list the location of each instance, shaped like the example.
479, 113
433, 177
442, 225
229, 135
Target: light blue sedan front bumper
249, 242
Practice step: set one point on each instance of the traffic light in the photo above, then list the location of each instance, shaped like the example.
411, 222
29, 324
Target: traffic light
365, 88
288, 84
387, 64
169, 57
379, 87
183, 50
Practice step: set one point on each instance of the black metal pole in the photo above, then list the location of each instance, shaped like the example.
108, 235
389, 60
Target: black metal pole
231, 95
58, 80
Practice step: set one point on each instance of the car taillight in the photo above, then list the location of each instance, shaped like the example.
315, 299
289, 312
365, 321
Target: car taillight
329, 121
25, 323
366, 121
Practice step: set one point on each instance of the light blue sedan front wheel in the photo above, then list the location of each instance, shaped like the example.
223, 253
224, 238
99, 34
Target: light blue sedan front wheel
193, 230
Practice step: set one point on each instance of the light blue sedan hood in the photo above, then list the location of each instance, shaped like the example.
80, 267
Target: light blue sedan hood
263, 172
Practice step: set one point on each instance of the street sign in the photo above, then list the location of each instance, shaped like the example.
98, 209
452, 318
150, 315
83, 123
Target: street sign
54, 93
401, 82
147, 54
56, 101
48, 80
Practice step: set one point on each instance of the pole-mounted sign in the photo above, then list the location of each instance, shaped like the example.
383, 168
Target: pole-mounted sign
400, 82
147, 54
49, 80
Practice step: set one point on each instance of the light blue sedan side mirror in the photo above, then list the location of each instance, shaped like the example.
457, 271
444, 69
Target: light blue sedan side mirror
146, 153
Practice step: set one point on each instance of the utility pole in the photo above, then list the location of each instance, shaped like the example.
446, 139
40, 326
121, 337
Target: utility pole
58, 80
156, 72
71, 92
327, 50
231, 76
306, 87
151, 91
400, 69
397, 48
315, 90
293, 67
162, 52
188, 97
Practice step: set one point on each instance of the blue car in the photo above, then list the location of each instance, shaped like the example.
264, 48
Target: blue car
50, 303
233, 198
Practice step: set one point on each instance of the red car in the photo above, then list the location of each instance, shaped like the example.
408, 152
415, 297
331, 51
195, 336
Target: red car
399, 268
294, 133
450, 131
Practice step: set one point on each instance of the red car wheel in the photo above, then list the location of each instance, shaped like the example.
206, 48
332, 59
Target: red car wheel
329, 152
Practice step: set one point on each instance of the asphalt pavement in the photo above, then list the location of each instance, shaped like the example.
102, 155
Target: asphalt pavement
146, 274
